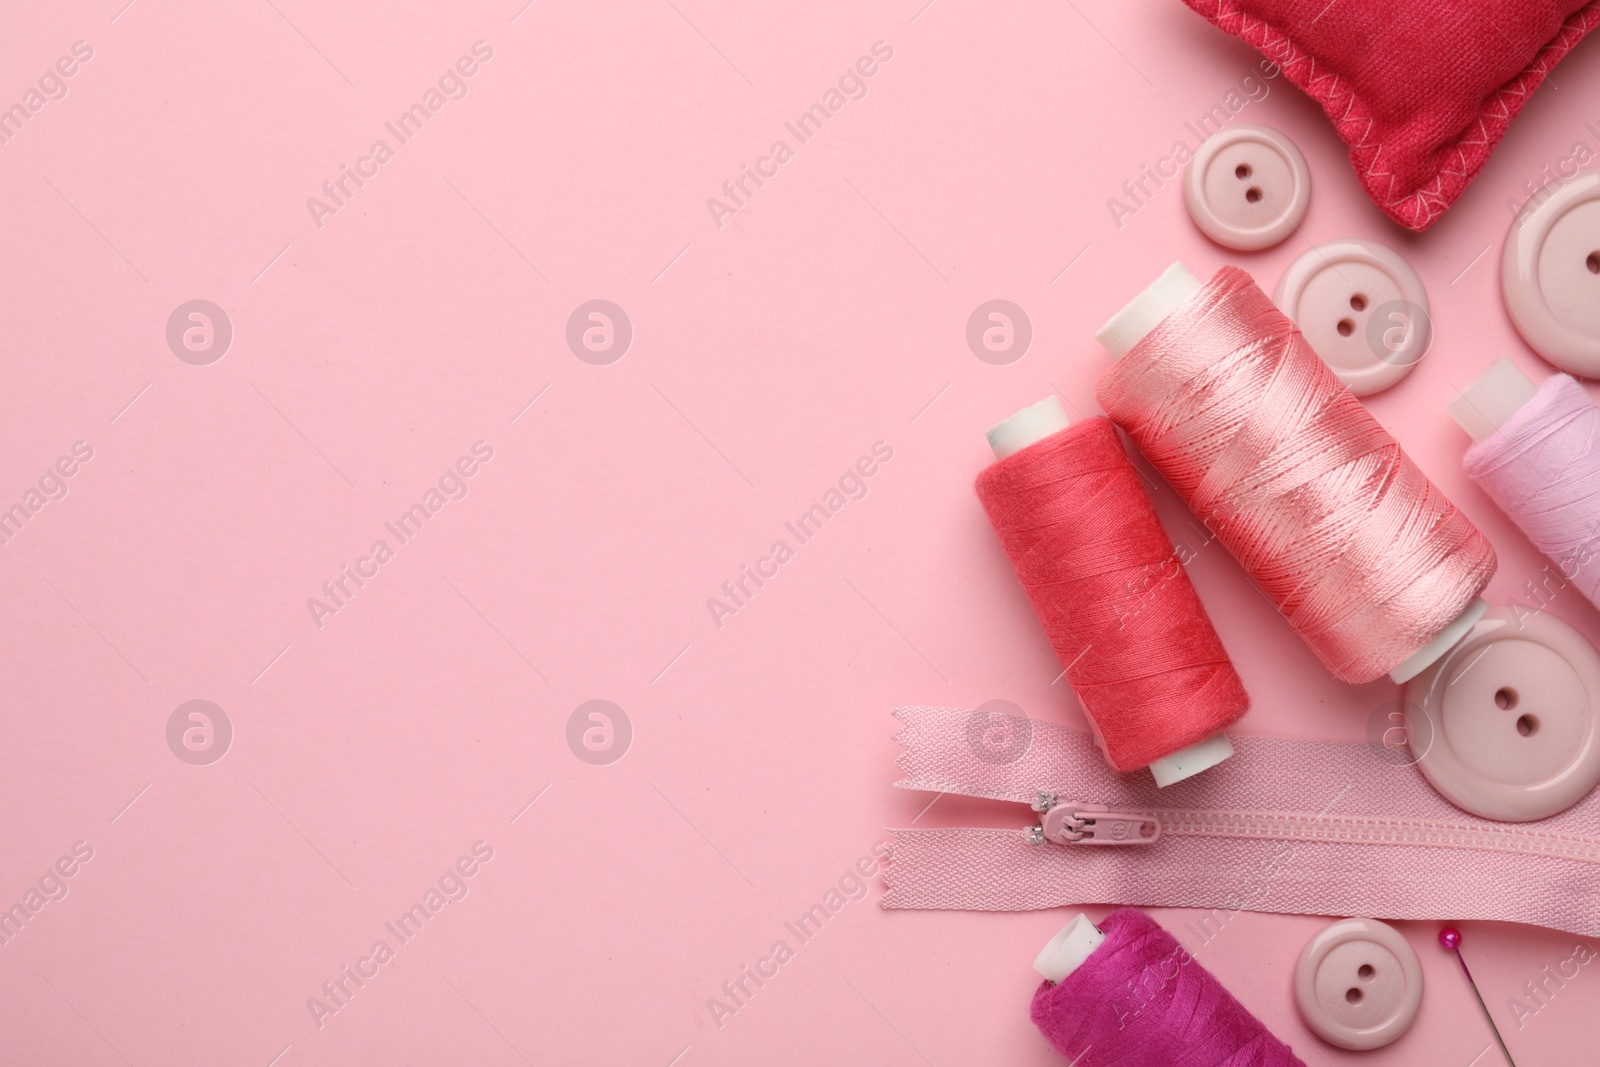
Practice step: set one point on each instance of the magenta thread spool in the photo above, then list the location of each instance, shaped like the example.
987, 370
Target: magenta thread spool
1127, 994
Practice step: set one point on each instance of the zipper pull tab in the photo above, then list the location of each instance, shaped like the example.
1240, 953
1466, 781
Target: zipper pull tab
1091, 824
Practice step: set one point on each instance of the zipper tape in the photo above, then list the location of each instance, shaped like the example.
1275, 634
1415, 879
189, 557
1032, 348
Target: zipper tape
1293, 826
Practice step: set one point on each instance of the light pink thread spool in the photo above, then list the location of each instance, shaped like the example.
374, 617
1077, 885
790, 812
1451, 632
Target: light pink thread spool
1502, 714
1209, 427
1536, 453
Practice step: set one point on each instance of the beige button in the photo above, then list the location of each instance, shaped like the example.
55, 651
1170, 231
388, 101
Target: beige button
1550, 276
1362, 308
1247, 187
1358, 984
1507, 725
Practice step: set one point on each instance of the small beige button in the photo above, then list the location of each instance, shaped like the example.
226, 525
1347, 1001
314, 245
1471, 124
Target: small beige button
1358, 984
1362, 308
1507, 725
1247, 187
1550, 276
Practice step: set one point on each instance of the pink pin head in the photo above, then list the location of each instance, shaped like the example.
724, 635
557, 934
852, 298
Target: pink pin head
1450, 938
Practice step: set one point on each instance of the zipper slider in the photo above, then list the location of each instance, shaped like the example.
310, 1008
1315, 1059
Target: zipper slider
1090, 824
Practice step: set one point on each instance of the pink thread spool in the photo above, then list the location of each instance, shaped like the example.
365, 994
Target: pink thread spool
1127, 994
1369, 563
1536, 453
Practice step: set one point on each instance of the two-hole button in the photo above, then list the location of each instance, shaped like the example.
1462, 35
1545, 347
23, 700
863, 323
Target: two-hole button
1247, 187
1506, 725
1362, 308
1358, 984
1550, 275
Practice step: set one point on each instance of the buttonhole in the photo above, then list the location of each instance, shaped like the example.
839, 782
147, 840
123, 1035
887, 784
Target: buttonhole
1366, 972
1505, 699
1359, 302
1527, 725
1252, 194
1593, 262
1353, 995
1346, 327
1242, 172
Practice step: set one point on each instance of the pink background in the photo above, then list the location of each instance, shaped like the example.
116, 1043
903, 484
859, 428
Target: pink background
767, 355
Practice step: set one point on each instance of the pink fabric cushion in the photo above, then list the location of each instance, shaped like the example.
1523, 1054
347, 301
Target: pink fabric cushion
1421, 90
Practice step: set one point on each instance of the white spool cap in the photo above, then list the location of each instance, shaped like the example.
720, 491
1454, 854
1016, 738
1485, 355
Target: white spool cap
1027, 426
1142, 314
1188, 762
1067, 951
1485, 405
1442, 642
1033, 424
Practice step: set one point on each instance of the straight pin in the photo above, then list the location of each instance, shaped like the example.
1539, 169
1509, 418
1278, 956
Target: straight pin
1450, 938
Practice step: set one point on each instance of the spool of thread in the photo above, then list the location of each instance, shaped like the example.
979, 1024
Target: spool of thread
1127, 994
1537, 455
1369, 562
1104, 579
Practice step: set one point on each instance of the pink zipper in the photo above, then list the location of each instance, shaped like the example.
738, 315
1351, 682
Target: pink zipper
1307, 827
1075, 823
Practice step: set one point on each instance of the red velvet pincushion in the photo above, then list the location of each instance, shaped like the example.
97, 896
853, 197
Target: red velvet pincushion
1421, 90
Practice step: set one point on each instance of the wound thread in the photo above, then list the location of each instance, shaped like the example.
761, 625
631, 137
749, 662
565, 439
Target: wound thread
1361, 553
1141, 1000
1114, 599
1543, 470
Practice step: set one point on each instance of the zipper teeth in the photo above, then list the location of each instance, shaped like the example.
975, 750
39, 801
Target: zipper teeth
1516, 838
1377, 830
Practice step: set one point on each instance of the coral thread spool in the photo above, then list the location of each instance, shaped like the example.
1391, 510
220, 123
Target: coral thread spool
1155, 682
1127, 994
1369, 563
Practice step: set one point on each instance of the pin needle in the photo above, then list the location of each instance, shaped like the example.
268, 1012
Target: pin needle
1450, 938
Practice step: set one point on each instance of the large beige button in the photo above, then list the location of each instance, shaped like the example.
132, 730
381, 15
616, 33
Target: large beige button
1550, 276
1247, 187
1362, 308
1507, 725
1358, 984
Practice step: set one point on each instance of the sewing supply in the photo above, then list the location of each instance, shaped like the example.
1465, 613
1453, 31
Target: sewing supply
1537, 455
1507, 724
1155, 682
1127, 994
1291, 826
1450, 938
1420, 116
1365, 558
1362, 308
1358, 984
1247, 187
1550, 273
